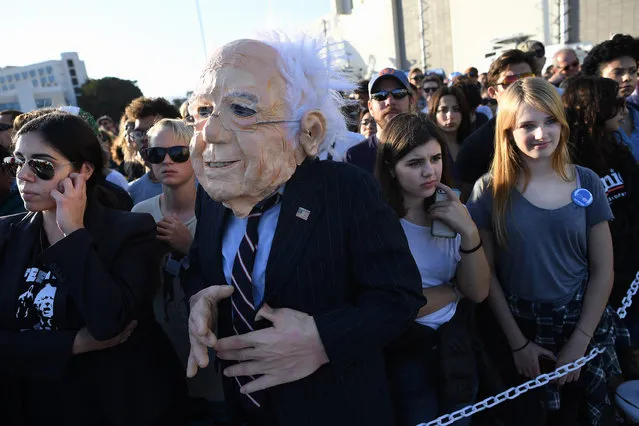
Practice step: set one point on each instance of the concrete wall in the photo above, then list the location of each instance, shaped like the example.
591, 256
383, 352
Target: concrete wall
598, 19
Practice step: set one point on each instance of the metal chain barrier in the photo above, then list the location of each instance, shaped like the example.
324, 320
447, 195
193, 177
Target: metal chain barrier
541, 380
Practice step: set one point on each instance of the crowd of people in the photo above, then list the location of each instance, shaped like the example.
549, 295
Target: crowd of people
291, 248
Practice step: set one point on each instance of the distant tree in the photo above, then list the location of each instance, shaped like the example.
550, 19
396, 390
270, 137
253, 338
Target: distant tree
109, 95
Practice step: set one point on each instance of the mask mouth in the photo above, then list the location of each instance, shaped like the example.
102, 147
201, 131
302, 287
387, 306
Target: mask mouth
220, 164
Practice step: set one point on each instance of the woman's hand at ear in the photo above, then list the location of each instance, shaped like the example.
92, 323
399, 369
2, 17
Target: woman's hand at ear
71, 202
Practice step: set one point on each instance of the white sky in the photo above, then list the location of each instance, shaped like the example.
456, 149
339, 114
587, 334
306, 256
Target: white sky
157, 43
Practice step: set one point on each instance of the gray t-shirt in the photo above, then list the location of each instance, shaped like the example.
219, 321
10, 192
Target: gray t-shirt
546, 259
144, 188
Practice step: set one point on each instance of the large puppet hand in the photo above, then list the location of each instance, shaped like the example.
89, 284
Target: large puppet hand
202, 321
288, 351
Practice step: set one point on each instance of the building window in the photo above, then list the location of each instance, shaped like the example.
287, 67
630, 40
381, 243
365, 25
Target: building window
34, 82
43, 81
70, 63
49, 69
51, 79
41, 103
16, 76
9, 78
77, 91
72, 72
4, 88
10, 105
41, 71
31, 73
25, 75
1, 80
74, 81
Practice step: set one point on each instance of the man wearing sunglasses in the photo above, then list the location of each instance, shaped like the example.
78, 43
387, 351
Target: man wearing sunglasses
6, 126
477, 150
565, 65
389, 92
10, 200
145, 112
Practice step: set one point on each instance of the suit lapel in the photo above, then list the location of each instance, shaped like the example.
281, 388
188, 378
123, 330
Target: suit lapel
17, 255
299, 214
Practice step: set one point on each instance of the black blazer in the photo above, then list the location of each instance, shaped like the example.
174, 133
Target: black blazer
349, 266
104, 281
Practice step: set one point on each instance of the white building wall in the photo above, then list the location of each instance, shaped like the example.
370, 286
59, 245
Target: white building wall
48, 83
369, 33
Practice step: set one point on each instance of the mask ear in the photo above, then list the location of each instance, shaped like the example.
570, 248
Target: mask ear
312, 132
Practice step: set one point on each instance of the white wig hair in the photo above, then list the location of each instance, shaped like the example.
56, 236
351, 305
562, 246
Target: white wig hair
313, 82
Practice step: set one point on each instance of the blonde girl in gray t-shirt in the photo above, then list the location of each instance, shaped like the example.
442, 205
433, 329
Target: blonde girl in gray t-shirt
544, 223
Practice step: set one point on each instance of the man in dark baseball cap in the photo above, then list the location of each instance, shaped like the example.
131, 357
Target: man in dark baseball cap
389, 95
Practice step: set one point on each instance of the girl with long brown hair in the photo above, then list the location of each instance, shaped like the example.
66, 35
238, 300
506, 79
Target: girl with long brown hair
544, 224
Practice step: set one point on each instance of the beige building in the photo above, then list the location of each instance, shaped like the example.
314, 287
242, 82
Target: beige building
456, 34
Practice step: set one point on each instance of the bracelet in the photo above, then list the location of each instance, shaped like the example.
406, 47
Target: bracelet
472, 250
587, 335
519, 349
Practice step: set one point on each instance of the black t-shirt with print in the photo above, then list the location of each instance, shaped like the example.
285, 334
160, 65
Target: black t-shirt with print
35, 301
621, 183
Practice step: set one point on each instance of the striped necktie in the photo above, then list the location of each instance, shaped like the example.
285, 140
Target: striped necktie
242, 298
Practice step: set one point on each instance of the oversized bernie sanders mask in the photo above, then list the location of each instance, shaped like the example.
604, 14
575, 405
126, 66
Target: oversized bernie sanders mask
253, 125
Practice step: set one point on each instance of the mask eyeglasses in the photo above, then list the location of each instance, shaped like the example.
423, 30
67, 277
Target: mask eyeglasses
43, 169
156, 155
508, 80
382, 95
234, 117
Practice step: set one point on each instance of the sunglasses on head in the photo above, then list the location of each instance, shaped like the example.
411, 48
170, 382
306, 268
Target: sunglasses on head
382, 95
508, 80
5, 126
43, 169
156, 155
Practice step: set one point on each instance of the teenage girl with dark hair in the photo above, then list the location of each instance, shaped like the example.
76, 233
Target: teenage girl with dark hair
427, 379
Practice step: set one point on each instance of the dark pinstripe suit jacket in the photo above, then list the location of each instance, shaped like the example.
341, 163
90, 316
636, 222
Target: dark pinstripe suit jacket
349, 266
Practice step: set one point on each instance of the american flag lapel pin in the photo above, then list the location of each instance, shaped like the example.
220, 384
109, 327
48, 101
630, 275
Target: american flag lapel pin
302, 213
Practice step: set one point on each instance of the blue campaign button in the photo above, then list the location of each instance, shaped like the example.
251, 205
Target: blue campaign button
582, 197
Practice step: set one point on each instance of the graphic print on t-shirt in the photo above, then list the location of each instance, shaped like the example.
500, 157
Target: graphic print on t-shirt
35, 304
614, 186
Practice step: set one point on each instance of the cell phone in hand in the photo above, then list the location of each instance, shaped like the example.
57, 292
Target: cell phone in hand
440, 229
546, 365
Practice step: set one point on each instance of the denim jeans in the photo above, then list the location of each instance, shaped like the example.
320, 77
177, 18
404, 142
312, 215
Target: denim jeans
413, 366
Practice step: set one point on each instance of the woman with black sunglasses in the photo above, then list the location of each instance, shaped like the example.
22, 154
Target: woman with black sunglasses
78, 343
174, 213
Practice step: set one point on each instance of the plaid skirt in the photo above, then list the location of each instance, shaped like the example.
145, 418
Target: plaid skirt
554, 326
